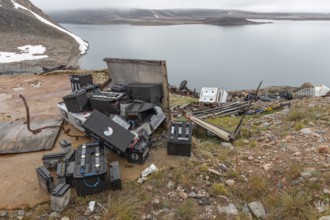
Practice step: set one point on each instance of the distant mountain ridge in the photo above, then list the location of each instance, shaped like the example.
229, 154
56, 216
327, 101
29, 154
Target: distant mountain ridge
22, 23
172, 16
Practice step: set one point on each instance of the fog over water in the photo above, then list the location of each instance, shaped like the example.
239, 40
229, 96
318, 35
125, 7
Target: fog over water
282, 53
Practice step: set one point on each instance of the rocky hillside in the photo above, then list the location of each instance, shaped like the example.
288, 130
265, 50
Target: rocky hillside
21, 23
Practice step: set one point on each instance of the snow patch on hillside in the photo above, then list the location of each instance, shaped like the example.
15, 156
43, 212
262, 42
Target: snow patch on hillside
83, 45
28, 52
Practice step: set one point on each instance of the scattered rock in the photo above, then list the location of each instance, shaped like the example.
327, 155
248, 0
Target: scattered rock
170, 185
54, 215
306, 131
228, 210
65, 218
266, 124
192, 195
223, 167
250, 158
155, 203
21, 212
230, 182
326, 191
325, 218
3, 213
204, 201
257, 209
305, 175
183, 195
267, 166
87, 212
226, 145
245, 141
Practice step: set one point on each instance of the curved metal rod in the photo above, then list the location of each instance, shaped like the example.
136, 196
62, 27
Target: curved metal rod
34, 131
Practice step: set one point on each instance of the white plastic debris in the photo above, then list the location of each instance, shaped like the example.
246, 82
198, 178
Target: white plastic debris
91, 205
152, 168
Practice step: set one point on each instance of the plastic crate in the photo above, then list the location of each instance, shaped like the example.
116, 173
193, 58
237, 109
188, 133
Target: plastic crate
179, 139
45, 179
148, 92
90, 172
98, 126
115, 181
79, 81
60, 197
76, 101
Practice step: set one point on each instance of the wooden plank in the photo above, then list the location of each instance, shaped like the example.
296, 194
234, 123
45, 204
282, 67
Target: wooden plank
215, 130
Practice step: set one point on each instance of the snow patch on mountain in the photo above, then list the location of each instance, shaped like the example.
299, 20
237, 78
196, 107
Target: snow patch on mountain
28, 52
83, 45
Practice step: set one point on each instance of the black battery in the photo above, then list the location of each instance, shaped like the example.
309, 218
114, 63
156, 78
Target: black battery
118, 88
65, 171
112, 135
141, 111
138, 152
69, 155
179, 139
50, 161
115, 181
79, 81
148, 92
76, 101
90, 170
45, 178
106, 102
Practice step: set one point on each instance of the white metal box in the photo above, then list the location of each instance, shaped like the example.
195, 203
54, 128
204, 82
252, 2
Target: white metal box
213, 95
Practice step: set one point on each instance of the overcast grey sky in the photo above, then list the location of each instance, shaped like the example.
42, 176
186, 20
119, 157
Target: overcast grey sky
250, 5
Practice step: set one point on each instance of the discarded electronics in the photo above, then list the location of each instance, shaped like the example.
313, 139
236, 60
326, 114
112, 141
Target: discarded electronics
315, 91
179, 139
141, 111
50, 161
76, 101
106, 102
213, 95
90, 173
103, 129
138, 151
148, 92
65, 172
75, 119
60, 197
45, 178
157, 118
115, 181
79, 81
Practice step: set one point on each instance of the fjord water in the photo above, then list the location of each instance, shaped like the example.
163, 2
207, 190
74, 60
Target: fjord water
238, 57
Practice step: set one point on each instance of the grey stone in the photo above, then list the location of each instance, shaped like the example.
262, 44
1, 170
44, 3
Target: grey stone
226, 144
183, 195
257, 209
54, 215
245, 141
313, 180
228, 210
266, 124
306, 131
87, 212
192, 195
204, 201
156, 203
170, 185
3, 213
21, 212
65, 218
326, 191
325, 218
96, 217
230, 182
223, 167
305, 175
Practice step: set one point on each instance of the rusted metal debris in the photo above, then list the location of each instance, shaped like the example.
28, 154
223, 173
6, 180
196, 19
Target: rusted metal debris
38, 130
